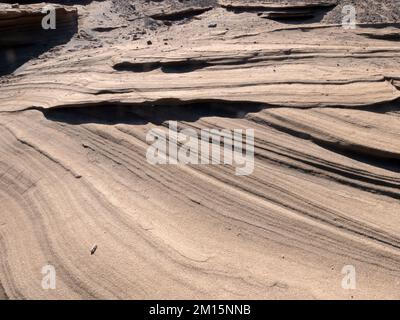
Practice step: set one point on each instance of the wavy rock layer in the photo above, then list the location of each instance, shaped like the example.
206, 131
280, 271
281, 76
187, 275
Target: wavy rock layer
323, 102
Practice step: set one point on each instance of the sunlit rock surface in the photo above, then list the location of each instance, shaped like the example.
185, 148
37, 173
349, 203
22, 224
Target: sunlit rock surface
324, 105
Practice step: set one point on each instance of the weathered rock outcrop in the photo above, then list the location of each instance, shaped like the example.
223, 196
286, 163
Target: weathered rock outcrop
22, 36
325, 192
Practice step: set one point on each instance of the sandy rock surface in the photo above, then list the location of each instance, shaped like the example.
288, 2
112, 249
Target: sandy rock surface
322, 100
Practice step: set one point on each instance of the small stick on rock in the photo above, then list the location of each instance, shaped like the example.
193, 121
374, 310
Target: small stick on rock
93, 249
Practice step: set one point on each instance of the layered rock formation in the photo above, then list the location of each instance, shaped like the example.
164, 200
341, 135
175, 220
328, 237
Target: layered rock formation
22, 36
279, 9
323, 102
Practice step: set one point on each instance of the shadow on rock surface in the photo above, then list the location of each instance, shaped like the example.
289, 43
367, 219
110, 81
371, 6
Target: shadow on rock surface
22, 36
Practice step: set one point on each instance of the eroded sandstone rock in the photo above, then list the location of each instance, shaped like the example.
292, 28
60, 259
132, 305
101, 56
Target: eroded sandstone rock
22, 35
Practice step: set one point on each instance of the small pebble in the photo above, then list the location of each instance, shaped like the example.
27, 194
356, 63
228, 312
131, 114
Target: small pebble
93, 249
